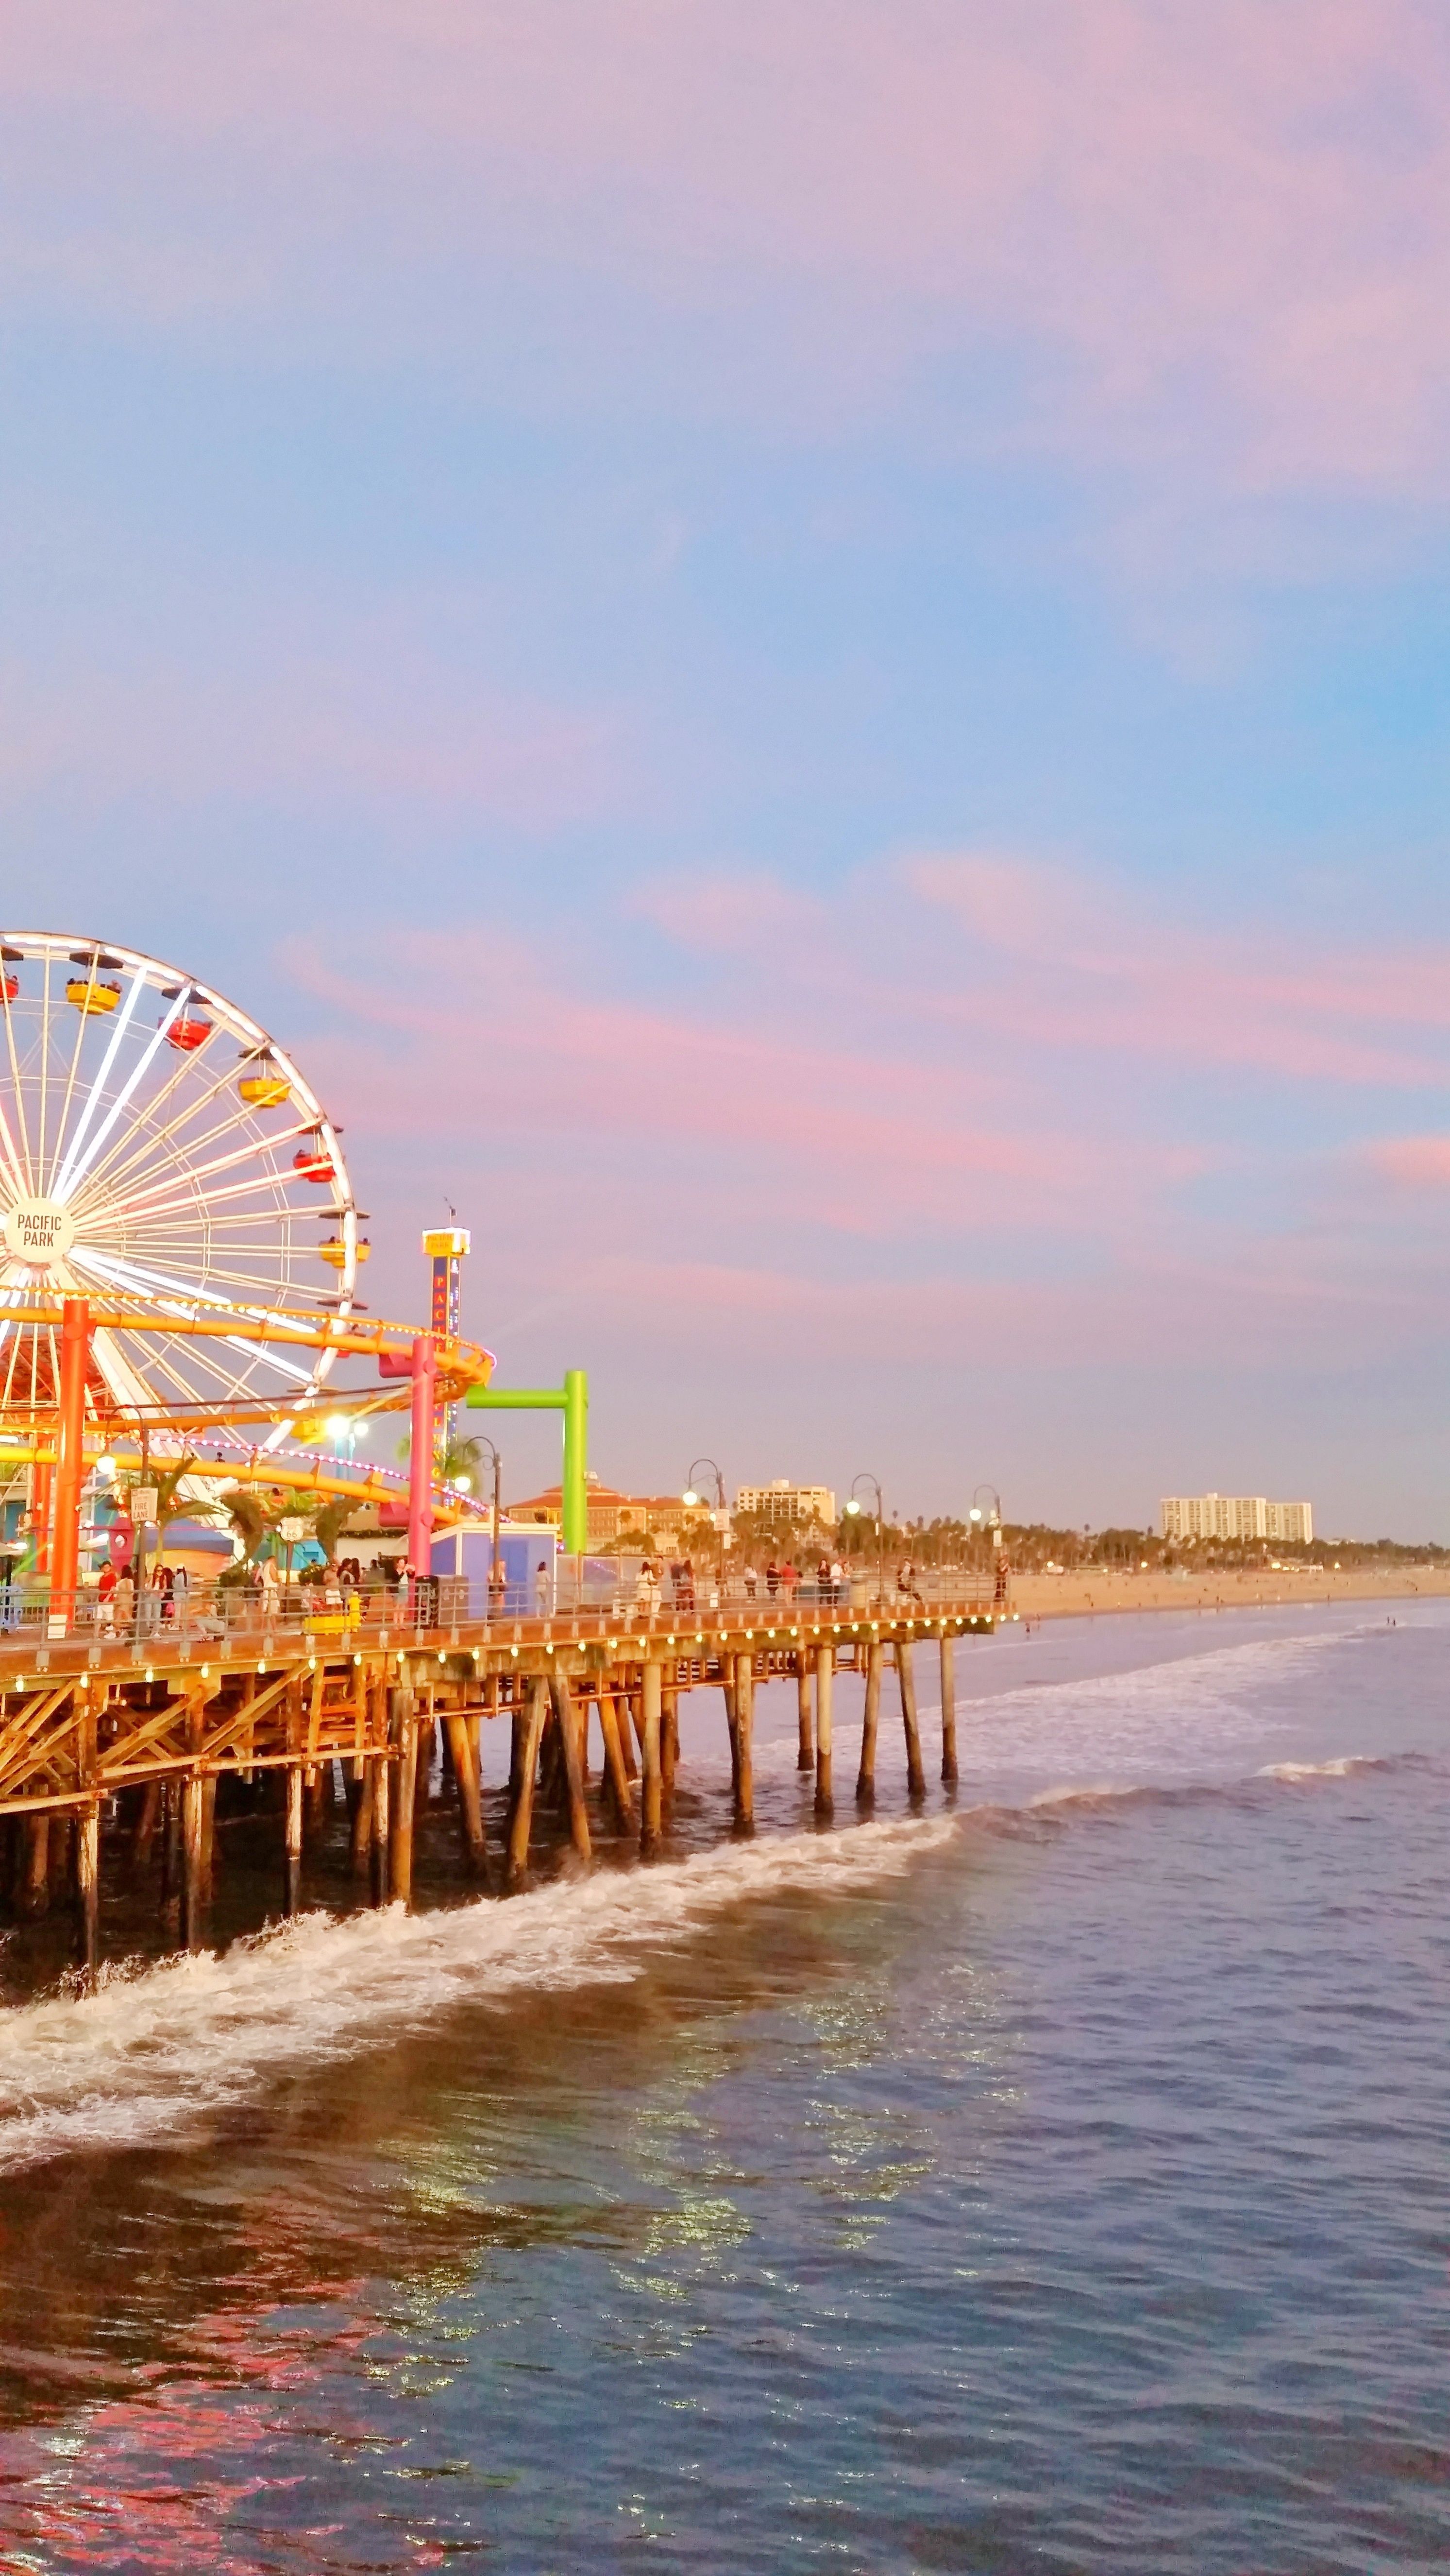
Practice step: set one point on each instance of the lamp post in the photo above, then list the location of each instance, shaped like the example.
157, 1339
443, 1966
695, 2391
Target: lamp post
693, 1496
854, 1509
992, 1519
484, 1442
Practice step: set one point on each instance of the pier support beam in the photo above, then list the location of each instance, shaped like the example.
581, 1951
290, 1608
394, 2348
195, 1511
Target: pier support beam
360, 1816
88, 1892
871, 1716
670, 1742
381, 1876
521, 1811
652, 1678
193, 1886
32, 1895
906, 1676
744, 1744
949, 1711
805, 1759
825, 1675
615, 1774
470, 1797
292, 1841
569, 1714
405, 1790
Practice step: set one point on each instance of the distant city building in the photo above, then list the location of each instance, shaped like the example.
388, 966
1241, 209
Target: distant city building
1236, 1516
783, 1501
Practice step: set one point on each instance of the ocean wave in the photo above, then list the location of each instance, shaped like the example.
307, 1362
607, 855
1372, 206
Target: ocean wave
160, 2048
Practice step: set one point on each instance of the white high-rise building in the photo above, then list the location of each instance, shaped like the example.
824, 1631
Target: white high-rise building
783, 1501
1236, 1516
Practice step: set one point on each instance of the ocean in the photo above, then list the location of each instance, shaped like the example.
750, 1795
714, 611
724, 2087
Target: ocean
1053, 2180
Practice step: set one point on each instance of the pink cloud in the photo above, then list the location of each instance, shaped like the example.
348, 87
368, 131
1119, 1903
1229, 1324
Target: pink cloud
1418, 1162
1226, 228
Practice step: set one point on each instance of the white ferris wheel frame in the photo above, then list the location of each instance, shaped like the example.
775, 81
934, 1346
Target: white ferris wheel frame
115, 1138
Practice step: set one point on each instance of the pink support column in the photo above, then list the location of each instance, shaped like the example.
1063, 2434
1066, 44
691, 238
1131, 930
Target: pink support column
420, 1458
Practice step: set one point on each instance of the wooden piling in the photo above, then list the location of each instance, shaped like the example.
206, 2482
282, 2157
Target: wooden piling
405, 1789
744, 1739
569, 1715
88, 1892
949, 1711
732, 1722
866, 1776
669, 1742
470, 1800
906, 1677
193, 1899
381, 1889
805, 1759
631, 1729
171, 1860
292, 1841
521, 1811
615, 1774
208, 1837
143, 1831
360, 1811
825, 1681
825, 1674
32, 1896
652, 1678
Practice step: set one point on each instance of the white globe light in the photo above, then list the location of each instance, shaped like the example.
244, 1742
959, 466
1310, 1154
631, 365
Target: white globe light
853, 1507
463, 1484
691, 1497
105, 1466
337, 1426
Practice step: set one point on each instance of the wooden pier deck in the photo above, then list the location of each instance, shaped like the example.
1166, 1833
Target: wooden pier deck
138, 1735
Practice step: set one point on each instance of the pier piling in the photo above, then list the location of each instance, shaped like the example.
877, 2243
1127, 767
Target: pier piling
292, 1841
744, 1734
521, 1810
825, 1674
870, 1719
652, 1679
949, 1710
805, 1759
906, 1676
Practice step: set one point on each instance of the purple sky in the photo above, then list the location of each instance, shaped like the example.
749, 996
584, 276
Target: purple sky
801, 651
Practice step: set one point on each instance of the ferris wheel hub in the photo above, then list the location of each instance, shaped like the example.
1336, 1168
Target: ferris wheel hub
39, 1232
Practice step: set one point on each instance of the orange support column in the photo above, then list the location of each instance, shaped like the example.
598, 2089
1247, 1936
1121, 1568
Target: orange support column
75, 1337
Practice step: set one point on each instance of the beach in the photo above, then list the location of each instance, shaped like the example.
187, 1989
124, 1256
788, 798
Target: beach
1076, 1595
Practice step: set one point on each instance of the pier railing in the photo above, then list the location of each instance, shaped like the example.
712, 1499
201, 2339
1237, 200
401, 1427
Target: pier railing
334, 1617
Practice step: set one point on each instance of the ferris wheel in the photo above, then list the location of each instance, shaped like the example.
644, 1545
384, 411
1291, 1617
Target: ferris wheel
161, 1156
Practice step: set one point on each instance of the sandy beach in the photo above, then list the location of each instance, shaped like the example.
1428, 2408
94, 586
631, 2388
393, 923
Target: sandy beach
1061, 1596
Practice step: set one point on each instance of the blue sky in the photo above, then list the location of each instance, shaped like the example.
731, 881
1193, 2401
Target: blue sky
801, 654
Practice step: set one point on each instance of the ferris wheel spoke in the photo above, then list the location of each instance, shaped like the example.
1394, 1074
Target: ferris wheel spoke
119, 1169
148, 1128
98, 1084
138, 1201
27, 1185
76, 1170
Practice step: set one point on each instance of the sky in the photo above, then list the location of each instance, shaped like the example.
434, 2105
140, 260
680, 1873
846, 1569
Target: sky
800, 652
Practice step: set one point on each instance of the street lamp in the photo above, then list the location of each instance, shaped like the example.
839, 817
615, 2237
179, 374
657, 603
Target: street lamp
853, 1507
483, 1442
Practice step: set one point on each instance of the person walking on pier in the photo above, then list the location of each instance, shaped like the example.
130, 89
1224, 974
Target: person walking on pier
772, 1578
541, 1590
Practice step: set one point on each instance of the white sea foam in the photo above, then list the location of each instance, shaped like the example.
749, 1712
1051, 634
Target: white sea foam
160, 2048
1343, 1767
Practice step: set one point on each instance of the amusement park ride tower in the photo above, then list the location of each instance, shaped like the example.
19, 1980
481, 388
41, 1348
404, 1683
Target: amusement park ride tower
179, 1255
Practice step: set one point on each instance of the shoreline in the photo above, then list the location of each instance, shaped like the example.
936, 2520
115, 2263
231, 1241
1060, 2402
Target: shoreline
1064, 1596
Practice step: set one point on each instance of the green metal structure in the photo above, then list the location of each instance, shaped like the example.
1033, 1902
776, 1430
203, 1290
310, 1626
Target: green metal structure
572, 1400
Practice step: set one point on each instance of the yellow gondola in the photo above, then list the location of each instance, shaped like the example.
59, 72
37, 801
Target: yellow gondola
334, 1250
264, 1085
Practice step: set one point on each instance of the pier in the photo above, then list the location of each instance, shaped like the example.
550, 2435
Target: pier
142, 1736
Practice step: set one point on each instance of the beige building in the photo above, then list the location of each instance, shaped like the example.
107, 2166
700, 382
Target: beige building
782, 1501
1236, 1517
609, 1514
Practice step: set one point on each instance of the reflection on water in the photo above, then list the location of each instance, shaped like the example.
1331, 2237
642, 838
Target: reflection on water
1058, 2183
